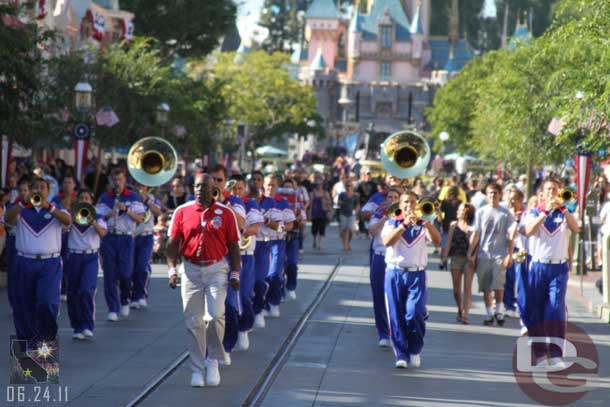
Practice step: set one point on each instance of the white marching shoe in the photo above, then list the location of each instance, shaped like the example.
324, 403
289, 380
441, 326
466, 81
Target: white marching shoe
226, 359
197, 380
415, 360
134, 304
291, 295
401, 364
142, 303
78, 335
212, 374
259, 321
243, 342
384, 343
274, 311
124, 311
88, 333
112, 316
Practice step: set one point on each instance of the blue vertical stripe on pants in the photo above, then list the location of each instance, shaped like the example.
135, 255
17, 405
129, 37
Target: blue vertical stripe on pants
37, 290
81, 275
117, 263
274, 276
377, 278
262, 256
246, 292
141, 269
523, 289
406, 302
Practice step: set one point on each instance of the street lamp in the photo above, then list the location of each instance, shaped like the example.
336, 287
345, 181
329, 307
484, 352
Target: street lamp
83, 96
163, 114
444, 137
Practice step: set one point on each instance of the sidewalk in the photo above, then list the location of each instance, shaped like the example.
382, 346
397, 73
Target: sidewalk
337, 361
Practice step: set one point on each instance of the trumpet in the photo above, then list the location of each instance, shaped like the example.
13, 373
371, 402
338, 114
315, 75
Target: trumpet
36, 199
83, 214
567, 195
427, 209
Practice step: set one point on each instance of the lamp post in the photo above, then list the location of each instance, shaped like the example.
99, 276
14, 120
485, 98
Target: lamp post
83, 100
162, 116
444, 137
83, 96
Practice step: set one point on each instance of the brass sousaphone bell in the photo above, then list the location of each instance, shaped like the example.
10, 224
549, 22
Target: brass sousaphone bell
83, 214
405, 154
152, 161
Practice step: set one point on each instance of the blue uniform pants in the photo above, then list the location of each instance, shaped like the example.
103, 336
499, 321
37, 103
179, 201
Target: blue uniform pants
262, 256
377, 276
65, 254
117, 261
406, 302
37, 290
232, 312
274, 276
246, 292
547, 306
292, 260
523, 289
510, 300
11, 253
141, 269
81, 274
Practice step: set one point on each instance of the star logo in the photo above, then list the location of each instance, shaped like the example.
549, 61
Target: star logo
27, 373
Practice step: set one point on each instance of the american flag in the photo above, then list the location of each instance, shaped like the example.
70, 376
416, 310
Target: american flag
106, 117
555, 126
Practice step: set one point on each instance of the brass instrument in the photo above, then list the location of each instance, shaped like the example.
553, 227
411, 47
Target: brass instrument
427, 209
147, 216
520, 256
567, 195
405, 154
83, 214
244, 242
394, 210
152, 161
36, 199
230, 184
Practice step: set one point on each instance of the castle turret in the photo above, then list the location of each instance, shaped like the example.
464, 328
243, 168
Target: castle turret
323, 29
354, 37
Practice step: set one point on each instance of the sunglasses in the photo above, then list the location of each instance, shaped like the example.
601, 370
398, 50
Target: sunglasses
217, 179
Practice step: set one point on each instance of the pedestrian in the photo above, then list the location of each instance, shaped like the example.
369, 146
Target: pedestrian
405, 239
203, 232
456, 252
348, 206
365, 190
548, 228
321, 207
511, 290
492, 249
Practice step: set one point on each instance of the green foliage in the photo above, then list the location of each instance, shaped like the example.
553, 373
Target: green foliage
260, 92
281, 18
191, 28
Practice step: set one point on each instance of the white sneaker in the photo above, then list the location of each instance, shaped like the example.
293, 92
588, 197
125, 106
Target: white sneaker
523, 331
212, 375
401, 364
63, 297
124, 311
143, 303
512, 314
243, 342
226, 361
415, 360
259, 320
384, 343
274, 311
87, 333
78, 335
291, 295
265, 313
134, 304
197, 380
112, 316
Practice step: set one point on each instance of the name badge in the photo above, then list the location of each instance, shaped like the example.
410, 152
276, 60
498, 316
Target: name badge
47, 216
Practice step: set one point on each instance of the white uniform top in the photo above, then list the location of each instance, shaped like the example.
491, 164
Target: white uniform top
268, 209
38, 231
253, 216
85, 237
551, 241
288, 216
378, 246
121, 223
410, 249
147, 228
521, 241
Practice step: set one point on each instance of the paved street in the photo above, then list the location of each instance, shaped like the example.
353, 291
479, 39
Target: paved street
336, 361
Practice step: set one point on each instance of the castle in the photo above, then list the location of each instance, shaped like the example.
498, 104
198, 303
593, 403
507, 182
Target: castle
377, 68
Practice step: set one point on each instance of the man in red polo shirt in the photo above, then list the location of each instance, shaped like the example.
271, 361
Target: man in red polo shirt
204, 232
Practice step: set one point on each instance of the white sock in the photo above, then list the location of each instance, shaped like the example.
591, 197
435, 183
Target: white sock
489, 311
499, 308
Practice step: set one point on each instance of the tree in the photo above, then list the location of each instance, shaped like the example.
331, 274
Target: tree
261, 93
281, 18
191, 28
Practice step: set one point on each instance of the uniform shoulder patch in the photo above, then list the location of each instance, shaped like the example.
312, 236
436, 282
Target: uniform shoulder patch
218, 211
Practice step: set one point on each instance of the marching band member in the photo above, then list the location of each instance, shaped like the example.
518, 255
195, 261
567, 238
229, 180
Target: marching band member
254, 220
122, 210
294, 199
66, 198
23, 188
286, 218
37, 266
548, 228
204, 232
219, 174
405, 240
81, 270
378, 267
143, 248
262, 253
513, 273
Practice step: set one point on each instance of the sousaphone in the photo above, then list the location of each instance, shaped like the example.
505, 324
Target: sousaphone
405, 154
152, 161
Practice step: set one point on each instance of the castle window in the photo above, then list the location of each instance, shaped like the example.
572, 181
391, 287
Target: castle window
386, 37
385, 71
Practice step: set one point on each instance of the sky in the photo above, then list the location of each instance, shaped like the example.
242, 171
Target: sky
248, 12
